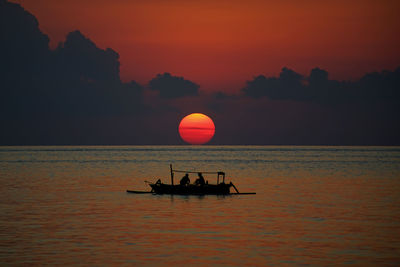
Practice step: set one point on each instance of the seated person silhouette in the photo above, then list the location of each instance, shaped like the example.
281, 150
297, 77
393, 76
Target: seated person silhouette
185, 180
200, 180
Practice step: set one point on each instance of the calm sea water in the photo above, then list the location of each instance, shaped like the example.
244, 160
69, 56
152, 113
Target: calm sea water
314, 206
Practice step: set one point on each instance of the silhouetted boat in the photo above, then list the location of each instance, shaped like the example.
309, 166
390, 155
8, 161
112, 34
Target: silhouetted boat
191, 189
220, 188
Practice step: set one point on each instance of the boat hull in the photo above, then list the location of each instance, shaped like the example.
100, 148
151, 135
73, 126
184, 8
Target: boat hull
208, 189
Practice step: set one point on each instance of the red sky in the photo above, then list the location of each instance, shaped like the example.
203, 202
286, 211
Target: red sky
221, 44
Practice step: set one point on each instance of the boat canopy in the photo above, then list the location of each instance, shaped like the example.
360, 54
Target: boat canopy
219, 173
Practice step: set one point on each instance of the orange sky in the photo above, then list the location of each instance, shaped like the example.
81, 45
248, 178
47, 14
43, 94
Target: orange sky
221, 44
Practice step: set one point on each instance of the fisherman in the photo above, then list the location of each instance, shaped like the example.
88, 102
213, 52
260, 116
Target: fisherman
185, 180
200, 180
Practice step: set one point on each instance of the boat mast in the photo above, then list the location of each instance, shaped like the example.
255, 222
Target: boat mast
172, 174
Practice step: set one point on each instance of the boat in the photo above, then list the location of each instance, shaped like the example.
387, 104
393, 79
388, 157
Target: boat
220, 188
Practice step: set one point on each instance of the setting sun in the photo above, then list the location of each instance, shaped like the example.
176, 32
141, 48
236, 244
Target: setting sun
196, 129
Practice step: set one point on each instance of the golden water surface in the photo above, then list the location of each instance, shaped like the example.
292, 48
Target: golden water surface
314, 206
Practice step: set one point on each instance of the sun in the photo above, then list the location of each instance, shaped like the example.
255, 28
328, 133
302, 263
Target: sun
196, 129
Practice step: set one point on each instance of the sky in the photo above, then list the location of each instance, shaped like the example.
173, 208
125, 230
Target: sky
222, 44
267, 72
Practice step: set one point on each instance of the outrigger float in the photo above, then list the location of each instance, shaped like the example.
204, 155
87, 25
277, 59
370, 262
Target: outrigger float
220, 188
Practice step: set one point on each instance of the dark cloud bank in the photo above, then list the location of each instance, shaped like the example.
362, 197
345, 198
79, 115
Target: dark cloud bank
73, 95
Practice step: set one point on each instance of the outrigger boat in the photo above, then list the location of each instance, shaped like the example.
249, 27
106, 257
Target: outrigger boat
220, 188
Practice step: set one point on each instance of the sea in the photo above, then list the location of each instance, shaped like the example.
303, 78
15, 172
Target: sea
314, 206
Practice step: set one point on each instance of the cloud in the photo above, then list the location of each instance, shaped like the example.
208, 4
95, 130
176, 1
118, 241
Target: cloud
76, 79
287, 86
80, 59
23, 48
170, 86
383, 85
88, 81
303, 110
24, 61
317, 88
42, 90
